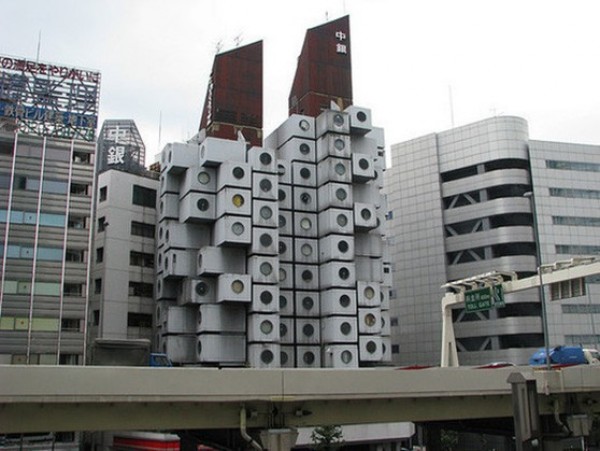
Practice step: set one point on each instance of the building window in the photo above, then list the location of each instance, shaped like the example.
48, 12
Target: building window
573, 249
146, 197
393, 321
81, 157
141, 289
70, 325
96, 317
573, 193
576, 221
102, 224
103, 193
79, 189
73, 289
141, 259
97, 286
77, 222
585, 309
75, 255
100, 255
573, 166
139, 320
395, 349
142, 229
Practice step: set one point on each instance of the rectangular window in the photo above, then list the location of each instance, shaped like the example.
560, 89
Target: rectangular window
97, 286
45, 324
103, 193
141, 259
79, 189
143, 196
100, 255
70, 324
573, 193
73, 289
47, 289
576, 221
573, 166
573, 249
77, 222
141, 289
143, 229
81, 157
75, 255
139, 320
96, 317
102, 224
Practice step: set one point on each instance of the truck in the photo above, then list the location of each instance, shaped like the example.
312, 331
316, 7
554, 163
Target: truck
566, 356
129, 352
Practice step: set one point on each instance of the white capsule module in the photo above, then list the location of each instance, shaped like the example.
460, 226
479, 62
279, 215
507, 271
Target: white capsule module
168, 206
179, 320
179, 156
286, 276
308, 356
365, 217
265, 213
234, 174
263, 328
295, 126
370, 348
332, 169
308, 331
338, 301
337, 275
263, 269
386, 329
264, 186
304, 174
385, 297
264, 241
288, 356
198, 207
161, 312
200, 290
234, 201
340, 356
339, 329
286, 330
286, 302
304, 198
165, 289
305, 224
386, 343
213, 318
284, 172
178, 263
336, 247
198, 180
335, 195
265, 299
221, 349
363, 168
285, 223
306, 277
234, 288
264, 355
172, 234
333, 145
169, 183
297, 149
331, 121
214, 151
368, 294
218, 260
262, 159
336, 220
360, 120
306, 250
307, 304
285, 197
286, 249
369, 320
179, 348
233, 231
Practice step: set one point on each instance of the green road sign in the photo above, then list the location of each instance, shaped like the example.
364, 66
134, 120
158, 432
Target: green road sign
484, 298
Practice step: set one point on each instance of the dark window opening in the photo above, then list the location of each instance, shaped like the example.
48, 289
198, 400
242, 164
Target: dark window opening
103, 193
143, 229
139, 320
141, 289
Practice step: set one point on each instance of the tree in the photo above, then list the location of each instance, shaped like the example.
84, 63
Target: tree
327, 438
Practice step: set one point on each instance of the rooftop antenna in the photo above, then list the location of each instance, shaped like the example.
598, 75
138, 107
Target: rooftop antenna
326, 16
219, 46
238, 40
39, 45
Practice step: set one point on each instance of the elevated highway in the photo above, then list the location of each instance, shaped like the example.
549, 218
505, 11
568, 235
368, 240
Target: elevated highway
59, 398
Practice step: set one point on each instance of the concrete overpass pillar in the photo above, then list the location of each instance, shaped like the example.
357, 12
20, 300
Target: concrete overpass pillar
525, 412
278, 439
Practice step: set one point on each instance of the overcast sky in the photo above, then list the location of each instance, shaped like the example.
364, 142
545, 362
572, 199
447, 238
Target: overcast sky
535, 59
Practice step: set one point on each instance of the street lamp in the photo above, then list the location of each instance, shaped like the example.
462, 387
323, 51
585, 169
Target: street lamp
538, 252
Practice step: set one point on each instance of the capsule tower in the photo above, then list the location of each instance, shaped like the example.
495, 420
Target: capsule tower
271, 254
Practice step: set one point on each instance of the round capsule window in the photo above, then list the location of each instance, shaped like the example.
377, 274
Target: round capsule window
282, 274
199, 318
338, 120
237, 200
342, 220
369, 292
265, 240
304, 149
346, 356
167, 236
306, 249
304, 124
265, 158
280, 169
361, 116
363, 163
266, 297
238, 172
339, 144
370, 320
283, 302
266, 268
266, 212
307, 275
308, 303
343, 246
266, 327
265, 185
266, 356
305, 223
198, 347
202, 289
283, 357
305, 173
281, 195
283, 330
282, 221
365, 213
237, 228
282, 247
237, 286
340, 169
305, 198
202, 204
344, 273
344, 300
308, 330
341, 194
371, 347
309, 358
345, 328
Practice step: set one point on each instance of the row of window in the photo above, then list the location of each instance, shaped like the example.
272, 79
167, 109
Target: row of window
573, 166
54, 254
40, 324
577, 249
581, 308
140, 289
44, 219
52, 153
45, 359
576, 221
575, 193
43, 288
29, 183
576, 340
145, 197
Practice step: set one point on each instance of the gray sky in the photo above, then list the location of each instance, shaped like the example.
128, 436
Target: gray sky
535, 59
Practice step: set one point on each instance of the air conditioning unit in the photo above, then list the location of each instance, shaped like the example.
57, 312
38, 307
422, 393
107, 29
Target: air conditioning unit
264, 186
337, 275
168, 206
305, 198
286, 276
264, 355
340, 356
265, 213
200, 290
336, 247
305, 224
363, 168
221, 349
234, 174
365, 217
360, 120
177, 263
308, 331
214, 151
234, 201
218, 260
304, 174
339, 329
295, 126
265, 299
264, 241
198, 207
262, 159
368, 294
263, 269
368, 245
308, 356
335, 195
370, 348
179, 156
306, 277
284, 172
288, 356
306, 250
263, 328
198, 179
338, 301
286, 330
234, 288
307, 304
221, 318
332, 169
285, 223
333, 145
297, 149
286, 302
336, 220
332, 121
369, 320
233, 231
